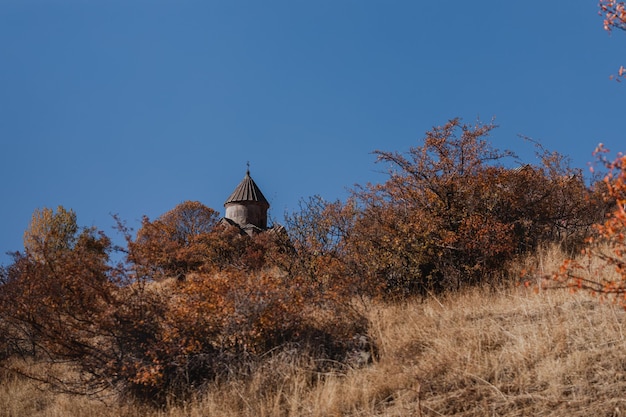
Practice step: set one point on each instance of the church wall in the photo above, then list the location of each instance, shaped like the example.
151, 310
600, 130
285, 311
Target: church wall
247, 213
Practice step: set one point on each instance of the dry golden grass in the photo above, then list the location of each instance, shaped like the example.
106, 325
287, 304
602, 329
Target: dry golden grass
483, 352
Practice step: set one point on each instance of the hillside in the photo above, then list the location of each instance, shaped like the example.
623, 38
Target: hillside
505, 352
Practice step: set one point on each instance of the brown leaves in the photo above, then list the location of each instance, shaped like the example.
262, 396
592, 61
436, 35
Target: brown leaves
139, 329
197, 297
174, 244
449, 215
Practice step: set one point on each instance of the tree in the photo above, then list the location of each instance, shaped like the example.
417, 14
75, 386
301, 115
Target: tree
430, 224
173, 244
319, 232
122, 327
451, 214
50, 232
54, 302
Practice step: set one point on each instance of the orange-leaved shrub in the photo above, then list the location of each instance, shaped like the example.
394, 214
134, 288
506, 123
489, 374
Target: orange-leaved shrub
450, 214
195, 300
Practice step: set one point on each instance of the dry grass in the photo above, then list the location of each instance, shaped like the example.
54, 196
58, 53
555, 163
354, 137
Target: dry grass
513, 352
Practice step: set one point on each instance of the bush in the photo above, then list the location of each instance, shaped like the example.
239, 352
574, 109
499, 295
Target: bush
449, 215
143, 333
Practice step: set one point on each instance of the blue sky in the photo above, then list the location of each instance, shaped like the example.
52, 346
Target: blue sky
132, 107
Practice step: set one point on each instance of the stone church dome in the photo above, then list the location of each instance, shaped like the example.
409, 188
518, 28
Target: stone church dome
247, 206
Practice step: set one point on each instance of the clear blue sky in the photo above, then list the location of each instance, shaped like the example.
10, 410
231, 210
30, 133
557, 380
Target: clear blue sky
132, 107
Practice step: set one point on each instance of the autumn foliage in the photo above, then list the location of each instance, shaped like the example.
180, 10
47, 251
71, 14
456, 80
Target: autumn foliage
450, 214
614, 15
195, 299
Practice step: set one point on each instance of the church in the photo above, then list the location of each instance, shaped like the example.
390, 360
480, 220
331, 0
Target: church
247, 208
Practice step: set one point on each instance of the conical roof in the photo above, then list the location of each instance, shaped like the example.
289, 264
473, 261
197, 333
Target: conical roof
247, 190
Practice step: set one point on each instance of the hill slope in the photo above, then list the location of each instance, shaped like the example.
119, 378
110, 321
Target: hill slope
508, 353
